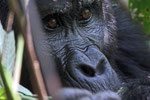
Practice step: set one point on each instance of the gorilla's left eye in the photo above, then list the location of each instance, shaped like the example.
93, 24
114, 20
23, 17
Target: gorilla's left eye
52, 22
86, 13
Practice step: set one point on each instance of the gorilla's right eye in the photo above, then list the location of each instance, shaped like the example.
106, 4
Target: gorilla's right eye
52, 23
86, 14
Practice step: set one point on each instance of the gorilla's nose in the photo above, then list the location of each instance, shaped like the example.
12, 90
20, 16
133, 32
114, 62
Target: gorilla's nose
87, 70
90, 64
92, 70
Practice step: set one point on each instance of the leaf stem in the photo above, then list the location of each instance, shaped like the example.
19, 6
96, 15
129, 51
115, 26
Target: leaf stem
18, 64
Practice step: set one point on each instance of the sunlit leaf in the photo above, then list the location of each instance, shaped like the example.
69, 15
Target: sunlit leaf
2, 94
140, 10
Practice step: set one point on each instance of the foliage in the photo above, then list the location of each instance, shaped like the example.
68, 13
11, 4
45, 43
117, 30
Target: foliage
7, 60
140, 10
7, 80
2, 94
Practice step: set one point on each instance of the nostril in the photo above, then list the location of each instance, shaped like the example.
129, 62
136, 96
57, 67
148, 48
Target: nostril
102, 61
87, 70
101, 67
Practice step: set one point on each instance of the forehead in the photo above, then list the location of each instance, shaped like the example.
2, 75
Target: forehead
56, 6
53, 3
60, 4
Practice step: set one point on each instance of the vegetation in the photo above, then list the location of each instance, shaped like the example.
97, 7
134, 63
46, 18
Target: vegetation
140, 11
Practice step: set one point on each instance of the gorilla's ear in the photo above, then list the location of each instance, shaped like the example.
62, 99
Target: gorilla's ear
4, 9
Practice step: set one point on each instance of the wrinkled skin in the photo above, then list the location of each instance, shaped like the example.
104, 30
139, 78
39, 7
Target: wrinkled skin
78, 45
98, 55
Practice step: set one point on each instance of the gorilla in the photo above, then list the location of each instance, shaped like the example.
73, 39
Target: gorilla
100, 52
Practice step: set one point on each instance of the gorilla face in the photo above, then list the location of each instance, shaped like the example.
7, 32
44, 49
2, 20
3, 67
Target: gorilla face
82, 36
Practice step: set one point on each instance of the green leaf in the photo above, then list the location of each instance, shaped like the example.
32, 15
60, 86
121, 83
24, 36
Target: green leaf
3, 94
7, 50
7, 80
140, 11
28, 97
7, 58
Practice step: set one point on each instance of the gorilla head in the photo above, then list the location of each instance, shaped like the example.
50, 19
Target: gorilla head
82, 36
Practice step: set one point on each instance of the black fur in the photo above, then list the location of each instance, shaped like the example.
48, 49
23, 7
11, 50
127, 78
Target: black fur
133, 56
132, 47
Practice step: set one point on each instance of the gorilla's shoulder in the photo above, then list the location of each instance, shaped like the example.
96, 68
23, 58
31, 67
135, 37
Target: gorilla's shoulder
133, 54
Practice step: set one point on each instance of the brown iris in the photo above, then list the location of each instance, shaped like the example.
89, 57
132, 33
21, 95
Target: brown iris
86, 13
52, 23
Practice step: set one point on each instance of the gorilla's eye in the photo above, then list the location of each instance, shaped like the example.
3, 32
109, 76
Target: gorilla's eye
52, 23
86, 13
